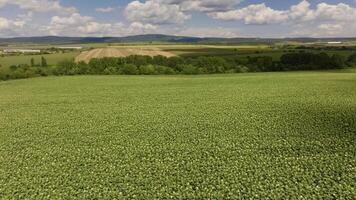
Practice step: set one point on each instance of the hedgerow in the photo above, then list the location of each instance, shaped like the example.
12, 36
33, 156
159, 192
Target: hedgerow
158, 65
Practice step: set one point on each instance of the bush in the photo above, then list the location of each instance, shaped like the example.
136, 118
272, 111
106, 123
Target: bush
129, 69
241, 69
82, 68
3, 76
164, 70
43, 62
352, 58
147, 70
190, 70
66, 67
311, 61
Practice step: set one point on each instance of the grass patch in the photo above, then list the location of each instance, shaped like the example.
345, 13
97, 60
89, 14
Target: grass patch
52, 59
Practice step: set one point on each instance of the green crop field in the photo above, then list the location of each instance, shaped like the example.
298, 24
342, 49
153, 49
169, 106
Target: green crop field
264, 135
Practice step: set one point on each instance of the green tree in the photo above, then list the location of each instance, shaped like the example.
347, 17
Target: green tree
190, 70
338, 61
32, 62
147, 70
43, 62
352, 58
129, 69
164, 70
66, 67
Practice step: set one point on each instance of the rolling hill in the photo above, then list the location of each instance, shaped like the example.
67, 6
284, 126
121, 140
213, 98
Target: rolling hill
156, 38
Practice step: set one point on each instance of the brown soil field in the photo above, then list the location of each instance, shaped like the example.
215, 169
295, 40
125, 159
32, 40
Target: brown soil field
86, 56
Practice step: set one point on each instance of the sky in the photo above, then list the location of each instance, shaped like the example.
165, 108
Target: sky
202, 18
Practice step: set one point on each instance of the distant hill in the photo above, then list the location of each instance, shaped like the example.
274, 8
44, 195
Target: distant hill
157, 38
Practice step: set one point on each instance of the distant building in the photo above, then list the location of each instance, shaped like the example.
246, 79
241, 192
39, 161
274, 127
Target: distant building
336, 42
76, 48
21, 51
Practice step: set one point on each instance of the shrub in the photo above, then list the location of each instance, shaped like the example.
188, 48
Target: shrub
129, 69
66, 67
352, 58
43, 62
82, 68
164, 70
147, 70
190, 70
240, 69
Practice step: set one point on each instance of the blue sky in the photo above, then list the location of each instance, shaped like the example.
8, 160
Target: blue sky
204, 18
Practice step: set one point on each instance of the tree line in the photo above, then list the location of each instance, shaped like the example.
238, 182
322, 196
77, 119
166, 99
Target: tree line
159, 65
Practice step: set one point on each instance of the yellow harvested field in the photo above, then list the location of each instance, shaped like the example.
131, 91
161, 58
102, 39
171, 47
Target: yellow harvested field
86, 56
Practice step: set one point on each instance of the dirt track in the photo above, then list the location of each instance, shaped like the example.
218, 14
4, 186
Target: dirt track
86, 56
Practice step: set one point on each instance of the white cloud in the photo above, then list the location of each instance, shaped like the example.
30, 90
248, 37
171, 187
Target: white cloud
78, 25
4, 23
203, 5
301, 11
10, 24
253, 14
207, 32
105, 10
137, 27
261, 14
39, 6
94, 28
10, 27
339, 12
331, 28
301, 19
153, 12
169, 17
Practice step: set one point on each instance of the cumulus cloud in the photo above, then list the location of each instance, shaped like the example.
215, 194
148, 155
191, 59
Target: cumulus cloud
339, 12
253, 14
21, 25
4, 23
105, 10
10, 24
303, 20
169, 17
261, 14
152, 12
207, 32
11, 27
78, 25
39, 6
137, 27
203, 5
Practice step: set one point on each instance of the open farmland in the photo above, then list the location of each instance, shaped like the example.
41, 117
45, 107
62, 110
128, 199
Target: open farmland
86, 56
265, 135
52, 59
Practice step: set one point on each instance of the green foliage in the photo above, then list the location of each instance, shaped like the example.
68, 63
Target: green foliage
190, 70
32, 62
43, 62
310, 61
129, 69
164, 70
246, 136
145, 65
147, 70
352, 58
66, 67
